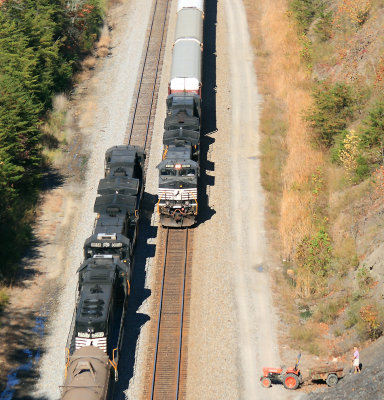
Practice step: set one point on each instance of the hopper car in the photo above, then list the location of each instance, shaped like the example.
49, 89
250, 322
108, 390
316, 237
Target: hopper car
179, 169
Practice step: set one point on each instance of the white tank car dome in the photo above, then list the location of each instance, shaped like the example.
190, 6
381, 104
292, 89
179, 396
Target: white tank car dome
189, 25
186, 66
199, 4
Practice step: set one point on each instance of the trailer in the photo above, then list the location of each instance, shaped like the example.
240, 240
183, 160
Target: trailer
328, 373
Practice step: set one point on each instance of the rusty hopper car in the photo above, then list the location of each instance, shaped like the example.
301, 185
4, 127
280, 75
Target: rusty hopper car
87, 375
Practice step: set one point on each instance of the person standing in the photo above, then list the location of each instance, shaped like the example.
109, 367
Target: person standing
356, 360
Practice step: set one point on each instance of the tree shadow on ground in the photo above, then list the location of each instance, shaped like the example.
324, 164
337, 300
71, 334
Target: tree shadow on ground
21, 352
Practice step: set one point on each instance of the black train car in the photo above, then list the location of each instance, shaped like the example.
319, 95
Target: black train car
105, 275
104, 283
179, 169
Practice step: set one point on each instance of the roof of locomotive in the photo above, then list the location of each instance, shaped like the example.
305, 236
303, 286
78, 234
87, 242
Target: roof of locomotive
110, 225
178, 155
95, 294
189, 24
119, 184
106, 262
113, 204
102, 239
121, 160
127, 151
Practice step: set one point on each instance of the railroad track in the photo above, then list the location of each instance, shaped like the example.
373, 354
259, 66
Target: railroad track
166, 379
167, 355
140, 127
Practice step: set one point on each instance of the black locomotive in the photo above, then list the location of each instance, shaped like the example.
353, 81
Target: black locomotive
105, 274
179, 169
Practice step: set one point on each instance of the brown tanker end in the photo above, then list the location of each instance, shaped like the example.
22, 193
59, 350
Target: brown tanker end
88, 373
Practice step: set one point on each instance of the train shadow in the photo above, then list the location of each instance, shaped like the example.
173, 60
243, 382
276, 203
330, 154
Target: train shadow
208, 111
139, 293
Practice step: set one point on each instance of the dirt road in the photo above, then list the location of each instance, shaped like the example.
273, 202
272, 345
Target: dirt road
232, 317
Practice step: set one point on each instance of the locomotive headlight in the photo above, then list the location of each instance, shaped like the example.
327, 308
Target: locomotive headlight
98, 334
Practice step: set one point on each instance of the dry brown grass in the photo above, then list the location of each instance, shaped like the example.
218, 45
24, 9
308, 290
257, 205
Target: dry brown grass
89, 62
283, 76
103, 45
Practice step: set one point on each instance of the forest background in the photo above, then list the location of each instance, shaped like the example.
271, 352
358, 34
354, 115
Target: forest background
41, 45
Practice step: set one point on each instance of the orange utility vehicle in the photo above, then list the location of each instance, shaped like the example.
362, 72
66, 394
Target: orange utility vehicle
291, 377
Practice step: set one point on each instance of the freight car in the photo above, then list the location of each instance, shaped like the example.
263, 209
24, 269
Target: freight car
179, 169
87, 375
105, 276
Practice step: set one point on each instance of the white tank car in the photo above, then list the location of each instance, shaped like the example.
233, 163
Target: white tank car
186, 67
87, 375
189, 25
187, 50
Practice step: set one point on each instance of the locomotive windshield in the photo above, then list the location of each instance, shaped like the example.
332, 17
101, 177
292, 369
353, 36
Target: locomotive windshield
168, 172
178, 171
187, 172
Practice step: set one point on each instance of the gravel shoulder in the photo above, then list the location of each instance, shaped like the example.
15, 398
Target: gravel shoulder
103, 112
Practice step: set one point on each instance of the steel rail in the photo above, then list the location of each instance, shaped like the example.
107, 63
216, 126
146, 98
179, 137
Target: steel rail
182, 317
156, 74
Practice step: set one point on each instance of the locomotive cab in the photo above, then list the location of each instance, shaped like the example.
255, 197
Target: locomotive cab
177, 192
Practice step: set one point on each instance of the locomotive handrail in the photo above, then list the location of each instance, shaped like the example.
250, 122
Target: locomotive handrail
197, 204
67, 359
114, 363
158, 206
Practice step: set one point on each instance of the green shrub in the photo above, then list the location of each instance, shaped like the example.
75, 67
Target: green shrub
324, 25
327, 311
4, 298
306, 52
373, 131
333, 107
363, 169
364, 279
353, 314
313, 258
304, 12
306, 337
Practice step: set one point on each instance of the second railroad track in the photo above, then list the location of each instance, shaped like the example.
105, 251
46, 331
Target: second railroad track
140, 126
